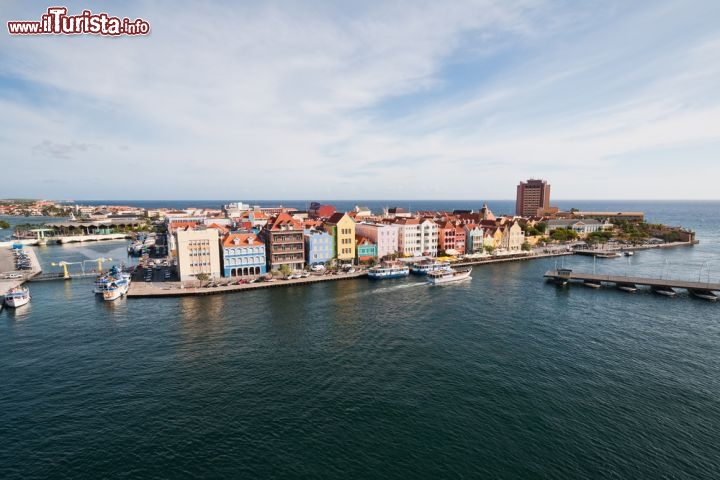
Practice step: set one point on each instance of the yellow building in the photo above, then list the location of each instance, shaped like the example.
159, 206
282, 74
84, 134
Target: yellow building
344, 233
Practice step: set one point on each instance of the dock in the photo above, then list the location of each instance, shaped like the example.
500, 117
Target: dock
7, 269
700, 289
139, 289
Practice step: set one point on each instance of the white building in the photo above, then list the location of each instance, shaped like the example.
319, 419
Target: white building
198, 252
428, 238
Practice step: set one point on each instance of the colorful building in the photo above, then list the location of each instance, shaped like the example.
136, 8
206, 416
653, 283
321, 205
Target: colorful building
344, 233
284, 242
243, 254
384, 236
366, 249
319, 246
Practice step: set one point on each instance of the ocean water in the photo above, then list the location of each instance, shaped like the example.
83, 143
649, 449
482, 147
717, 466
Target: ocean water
504, 376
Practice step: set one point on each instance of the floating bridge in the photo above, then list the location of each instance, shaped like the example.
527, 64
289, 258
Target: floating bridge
665, 286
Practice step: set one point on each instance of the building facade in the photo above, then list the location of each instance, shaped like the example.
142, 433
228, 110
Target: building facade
284, 242
197, 252
385, 236
532, 196
319, 247
344, 235
243, 254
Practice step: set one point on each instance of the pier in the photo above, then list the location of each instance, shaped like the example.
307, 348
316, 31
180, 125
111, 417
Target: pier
700, 289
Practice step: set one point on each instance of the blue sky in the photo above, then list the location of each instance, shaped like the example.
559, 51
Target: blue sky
404, 100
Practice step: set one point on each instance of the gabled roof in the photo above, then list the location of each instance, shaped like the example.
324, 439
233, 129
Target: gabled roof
284, 221
335, 218
243, 239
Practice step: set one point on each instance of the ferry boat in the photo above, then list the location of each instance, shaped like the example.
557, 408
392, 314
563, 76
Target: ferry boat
448, 275
115, 289
17, 297
426, 266
388, 270
113, 274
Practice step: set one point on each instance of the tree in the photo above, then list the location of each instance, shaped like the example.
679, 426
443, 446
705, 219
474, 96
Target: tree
203, 277
563, 234
526, 247
285, 269
489, 249
4, 224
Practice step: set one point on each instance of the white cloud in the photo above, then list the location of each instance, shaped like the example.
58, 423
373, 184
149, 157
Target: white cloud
274, 101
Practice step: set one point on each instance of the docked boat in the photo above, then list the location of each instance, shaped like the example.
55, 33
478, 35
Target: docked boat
426, 266
592, 284
448, 275
114, 274
388, 270
17, 297
116, 289
629, 253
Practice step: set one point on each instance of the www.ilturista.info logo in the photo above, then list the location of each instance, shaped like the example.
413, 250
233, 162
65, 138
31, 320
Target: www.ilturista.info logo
58, 22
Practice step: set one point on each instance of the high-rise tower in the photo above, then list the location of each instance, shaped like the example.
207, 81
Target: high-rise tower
531, 196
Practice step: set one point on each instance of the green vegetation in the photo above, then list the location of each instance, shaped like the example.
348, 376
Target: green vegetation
526, 247
4, 224
563, 234
599, 237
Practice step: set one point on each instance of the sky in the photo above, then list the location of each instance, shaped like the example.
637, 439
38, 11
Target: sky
604, 99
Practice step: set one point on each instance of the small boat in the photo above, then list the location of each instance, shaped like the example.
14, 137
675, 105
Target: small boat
629, 253
388, 270
627, 287
592, 284
704, 294
665, 291
17, 297
448, 275
115, 289
114, 274
426, 266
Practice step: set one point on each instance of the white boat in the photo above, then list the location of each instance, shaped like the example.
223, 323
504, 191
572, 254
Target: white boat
592, 284
115, 289
629, 253
627, 287
426, 266
17, 297
448, 275
113, 274
388, 270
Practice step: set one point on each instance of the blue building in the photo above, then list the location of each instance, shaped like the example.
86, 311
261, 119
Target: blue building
243, 254
319, 246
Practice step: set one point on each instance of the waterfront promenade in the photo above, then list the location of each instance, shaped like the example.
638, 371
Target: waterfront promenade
140, 289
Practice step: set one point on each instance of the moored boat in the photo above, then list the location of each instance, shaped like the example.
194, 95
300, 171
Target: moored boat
426, 266
17, 297
448, 275
388, 270
115, 289
592, 284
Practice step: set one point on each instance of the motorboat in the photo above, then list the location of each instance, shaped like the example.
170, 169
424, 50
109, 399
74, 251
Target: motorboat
17, 296
448, 275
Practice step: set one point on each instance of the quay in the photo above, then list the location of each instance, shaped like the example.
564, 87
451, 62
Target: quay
700, 289
8, 269
139, 289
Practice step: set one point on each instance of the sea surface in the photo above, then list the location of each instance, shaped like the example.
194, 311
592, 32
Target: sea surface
504, 376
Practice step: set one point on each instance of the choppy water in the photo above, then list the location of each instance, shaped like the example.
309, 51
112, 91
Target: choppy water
501, 377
